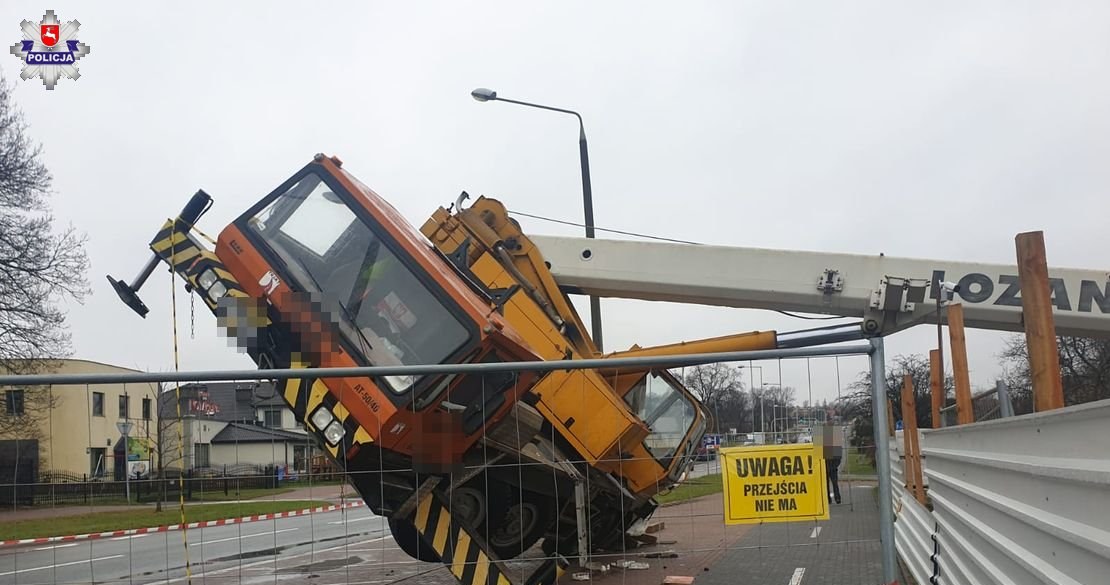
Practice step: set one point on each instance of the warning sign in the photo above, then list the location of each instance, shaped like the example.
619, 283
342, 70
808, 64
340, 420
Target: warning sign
774, 483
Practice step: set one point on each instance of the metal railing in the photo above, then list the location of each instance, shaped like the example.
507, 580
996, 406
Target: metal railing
987, 405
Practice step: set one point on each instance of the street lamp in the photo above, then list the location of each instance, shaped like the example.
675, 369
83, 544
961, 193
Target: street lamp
751, 383
488, 95
125, 430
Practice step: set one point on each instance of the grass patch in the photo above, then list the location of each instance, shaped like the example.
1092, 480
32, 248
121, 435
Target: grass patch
142, 517
858, 464
692, 488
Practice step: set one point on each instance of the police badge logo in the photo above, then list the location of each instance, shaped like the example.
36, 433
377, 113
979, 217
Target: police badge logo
50, 49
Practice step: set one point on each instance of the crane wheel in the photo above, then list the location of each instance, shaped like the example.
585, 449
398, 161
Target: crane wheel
517, 524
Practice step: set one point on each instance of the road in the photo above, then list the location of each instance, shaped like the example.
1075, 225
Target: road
344, 546
702, 468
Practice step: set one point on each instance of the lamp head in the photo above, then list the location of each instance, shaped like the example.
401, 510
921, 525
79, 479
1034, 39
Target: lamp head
484, 95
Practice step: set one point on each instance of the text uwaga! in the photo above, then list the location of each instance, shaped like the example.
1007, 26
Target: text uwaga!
774, 466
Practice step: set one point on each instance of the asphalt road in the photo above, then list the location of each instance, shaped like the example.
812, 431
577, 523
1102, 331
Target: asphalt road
702, 468
344, 546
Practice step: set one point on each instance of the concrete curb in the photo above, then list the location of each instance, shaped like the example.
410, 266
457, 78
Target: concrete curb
189, 526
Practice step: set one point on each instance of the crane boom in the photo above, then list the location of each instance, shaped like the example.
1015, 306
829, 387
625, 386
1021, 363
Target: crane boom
888, 293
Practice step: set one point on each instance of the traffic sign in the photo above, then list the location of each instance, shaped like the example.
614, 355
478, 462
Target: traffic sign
774, 483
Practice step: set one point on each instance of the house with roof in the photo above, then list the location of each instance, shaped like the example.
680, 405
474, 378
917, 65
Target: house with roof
232, 427
74, 431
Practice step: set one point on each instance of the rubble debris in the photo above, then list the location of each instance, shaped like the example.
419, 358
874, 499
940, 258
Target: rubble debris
665, 554
655, 527
678, 580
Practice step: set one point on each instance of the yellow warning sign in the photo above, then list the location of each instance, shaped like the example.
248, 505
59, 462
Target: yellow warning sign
774, 483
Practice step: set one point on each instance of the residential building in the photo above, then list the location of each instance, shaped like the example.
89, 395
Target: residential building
230, 425
74, 429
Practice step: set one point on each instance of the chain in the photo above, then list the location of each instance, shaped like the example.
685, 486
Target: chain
192, 317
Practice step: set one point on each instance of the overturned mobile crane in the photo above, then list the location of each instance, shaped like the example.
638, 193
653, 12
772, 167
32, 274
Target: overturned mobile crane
323, 272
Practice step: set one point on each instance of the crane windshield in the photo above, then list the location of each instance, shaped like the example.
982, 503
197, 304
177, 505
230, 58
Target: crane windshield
668, 412
327, 248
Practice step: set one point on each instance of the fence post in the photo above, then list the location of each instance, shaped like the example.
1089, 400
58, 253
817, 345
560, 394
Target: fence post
189, 485
890, 428
85, 483
1005, 407
909, 435
965, 410
879, 406
936, 386
1040, 326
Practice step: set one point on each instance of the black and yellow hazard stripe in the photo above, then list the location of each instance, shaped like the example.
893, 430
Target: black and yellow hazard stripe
189, 258
456, 546
305, 395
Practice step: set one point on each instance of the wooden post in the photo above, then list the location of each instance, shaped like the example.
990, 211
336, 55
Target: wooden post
1040, 326
965, 410
936, 385
890, 417
909, 438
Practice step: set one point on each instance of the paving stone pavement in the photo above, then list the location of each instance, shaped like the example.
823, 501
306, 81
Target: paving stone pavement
844, 550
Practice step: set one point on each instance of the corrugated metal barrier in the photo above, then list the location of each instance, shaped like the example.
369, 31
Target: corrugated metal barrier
1015, 500
914, 525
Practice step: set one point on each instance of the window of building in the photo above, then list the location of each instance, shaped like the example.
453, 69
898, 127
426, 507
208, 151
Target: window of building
96, 461
200, 455
271, 417
124, 403
146, 409
13, 402
98, 403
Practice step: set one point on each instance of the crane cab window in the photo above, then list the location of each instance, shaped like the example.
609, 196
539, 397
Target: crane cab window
326, 247
668, 412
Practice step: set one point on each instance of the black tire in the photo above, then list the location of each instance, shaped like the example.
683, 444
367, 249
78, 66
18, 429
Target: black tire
516, 524
412, 542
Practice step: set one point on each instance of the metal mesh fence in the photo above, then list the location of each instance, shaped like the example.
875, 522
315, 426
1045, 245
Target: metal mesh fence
612, 484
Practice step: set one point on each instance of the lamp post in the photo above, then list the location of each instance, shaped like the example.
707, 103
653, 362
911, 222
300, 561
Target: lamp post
125, 430
751, 383
488, 95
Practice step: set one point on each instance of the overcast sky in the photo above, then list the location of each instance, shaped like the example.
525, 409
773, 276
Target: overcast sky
863, 127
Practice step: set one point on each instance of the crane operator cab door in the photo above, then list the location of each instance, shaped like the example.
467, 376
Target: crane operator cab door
356, 285
677, 421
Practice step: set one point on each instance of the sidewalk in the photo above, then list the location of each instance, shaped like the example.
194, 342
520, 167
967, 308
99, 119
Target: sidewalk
844, 550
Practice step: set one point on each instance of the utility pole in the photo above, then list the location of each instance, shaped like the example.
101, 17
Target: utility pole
125, 430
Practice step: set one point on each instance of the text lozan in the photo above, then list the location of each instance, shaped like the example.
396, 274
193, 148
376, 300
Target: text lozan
977, 288
59, 58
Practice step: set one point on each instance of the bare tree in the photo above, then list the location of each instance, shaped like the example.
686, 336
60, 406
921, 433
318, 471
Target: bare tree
167, 440
857, 404
1084, 370
768, 400
720, 389
38, 267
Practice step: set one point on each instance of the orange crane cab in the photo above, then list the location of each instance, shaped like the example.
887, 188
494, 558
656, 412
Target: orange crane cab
377, 295
322, 272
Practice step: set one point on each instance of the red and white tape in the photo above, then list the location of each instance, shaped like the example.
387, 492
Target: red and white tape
189, 526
